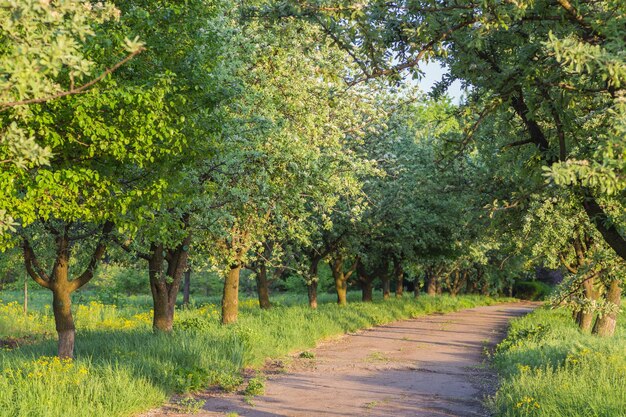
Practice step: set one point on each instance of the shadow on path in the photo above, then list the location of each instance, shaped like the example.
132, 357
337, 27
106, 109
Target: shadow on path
431, 366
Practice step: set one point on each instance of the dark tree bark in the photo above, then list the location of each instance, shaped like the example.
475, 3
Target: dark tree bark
366, 282
431, 282
386, 285
602, 222
485, 289
262, 287
398, 274
165, 282
367, 291
454, 286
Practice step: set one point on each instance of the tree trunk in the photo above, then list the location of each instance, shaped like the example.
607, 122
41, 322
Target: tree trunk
312, 292
605, 325
366, 281
312, 283
367, 290
341, 286
473, 288
455, 286
585, 319
431, 283
463, 283
341, 278
386, 286
165, 284
63, 320
398, 273
438, 283
262, 287
230, 298
163, 317
162, 320
58, 282
187, 287
416, 288
484, 289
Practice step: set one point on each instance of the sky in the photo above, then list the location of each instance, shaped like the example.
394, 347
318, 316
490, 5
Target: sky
432, 73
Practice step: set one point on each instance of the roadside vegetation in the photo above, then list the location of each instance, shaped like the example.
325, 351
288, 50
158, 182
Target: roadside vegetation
549, 368
122, 368
164, 162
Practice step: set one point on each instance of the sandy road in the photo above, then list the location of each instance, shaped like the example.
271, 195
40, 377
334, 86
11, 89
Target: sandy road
431, 366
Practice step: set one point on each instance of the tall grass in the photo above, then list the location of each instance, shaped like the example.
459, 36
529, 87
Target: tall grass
122, 368
549, 368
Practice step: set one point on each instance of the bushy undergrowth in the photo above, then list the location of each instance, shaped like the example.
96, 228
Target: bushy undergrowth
532, 290
549, 368
122, 368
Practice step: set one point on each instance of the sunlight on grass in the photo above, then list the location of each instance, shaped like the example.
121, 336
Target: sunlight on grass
550, 369
119, 371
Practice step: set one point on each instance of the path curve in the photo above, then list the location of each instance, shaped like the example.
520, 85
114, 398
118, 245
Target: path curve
432, 366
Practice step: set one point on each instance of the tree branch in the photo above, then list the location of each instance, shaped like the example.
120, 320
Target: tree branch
126, 247
33, 267
72, 90
604, 225
98, 253
352, 269
517, 143
572, 292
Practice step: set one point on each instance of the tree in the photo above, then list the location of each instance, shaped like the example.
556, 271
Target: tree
43, 57
99, 141
285, 162
184, 44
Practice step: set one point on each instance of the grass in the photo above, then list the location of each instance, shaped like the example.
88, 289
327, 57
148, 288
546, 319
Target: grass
550, 369
121, 368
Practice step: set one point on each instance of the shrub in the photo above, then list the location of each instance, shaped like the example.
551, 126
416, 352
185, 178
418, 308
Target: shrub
531, 290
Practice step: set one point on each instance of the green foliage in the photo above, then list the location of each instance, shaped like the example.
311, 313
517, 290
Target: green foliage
531, 290
516, 337
120, 280
256, 386
307, 355
229, 382
45, 57
190, 405
547, 361
45, 54
188, 379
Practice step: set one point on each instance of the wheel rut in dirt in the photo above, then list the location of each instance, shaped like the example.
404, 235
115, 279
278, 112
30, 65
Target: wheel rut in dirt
432, 366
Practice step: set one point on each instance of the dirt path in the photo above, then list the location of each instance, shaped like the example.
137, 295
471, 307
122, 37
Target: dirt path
426, 367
